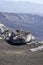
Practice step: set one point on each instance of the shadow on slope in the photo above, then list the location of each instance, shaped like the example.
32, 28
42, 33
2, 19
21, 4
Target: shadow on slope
17, 44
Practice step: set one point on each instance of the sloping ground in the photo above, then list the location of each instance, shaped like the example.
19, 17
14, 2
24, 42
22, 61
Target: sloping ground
19, 55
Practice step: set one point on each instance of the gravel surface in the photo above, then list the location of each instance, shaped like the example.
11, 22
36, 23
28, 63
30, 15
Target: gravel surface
19, 55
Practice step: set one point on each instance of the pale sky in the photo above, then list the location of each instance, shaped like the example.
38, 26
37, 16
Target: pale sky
22, 6
33, 1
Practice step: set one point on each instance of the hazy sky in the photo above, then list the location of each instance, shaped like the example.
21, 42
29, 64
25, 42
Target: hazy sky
34, 1
22, 6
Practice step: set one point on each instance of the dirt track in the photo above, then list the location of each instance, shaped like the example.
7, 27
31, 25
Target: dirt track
19, 55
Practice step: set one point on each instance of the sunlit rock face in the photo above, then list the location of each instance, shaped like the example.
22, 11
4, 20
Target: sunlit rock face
2, 28
39, 48
27, 36
30, 37
4, 32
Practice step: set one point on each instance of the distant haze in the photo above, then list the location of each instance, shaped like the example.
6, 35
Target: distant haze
21, 6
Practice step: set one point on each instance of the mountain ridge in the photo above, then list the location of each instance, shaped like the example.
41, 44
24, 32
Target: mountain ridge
31, 22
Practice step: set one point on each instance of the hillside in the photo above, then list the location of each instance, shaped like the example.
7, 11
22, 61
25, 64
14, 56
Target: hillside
19, 55
31, 22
